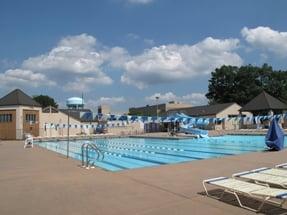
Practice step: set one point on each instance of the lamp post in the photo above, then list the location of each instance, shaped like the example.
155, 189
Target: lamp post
157, 98
68, 142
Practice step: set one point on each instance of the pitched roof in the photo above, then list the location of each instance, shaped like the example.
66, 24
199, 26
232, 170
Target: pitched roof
264, 101
205, 110
18, 97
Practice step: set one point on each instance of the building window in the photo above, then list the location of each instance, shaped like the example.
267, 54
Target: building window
5, 118
31, 118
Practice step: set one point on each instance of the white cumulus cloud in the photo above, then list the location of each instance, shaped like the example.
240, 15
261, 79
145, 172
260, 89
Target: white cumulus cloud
84, 84
171, 63
266, 39
195, 99
75, 63
73, 54
20, 77
111, 101
192, 98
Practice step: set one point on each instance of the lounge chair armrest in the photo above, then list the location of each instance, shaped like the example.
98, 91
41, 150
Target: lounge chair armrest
214, 179
260, 169
249, 172
282, 165
238, 174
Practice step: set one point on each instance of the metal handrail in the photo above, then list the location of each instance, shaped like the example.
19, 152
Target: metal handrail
85, 149
100, 153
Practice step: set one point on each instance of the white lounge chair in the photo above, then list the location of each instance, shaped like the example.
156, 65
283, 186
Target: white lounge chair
29, 141
272, 171
263, 193
282, 165
263, 176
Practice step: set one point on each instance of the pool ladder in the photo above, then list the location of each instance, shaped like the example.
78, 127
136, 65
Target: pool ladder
86, 147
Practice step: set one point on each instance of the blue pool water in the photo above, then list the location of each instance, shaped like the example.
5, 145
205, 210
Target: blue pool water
130, 153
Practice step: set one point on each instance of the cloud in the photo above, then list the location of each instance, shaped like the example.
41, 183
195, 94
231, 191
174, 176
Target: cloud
192, 98
111, 101
171, 63
73, 54
195, 99
75, 63
166, 97
20, 77
83, 84
140, 1
266, 39
115, 57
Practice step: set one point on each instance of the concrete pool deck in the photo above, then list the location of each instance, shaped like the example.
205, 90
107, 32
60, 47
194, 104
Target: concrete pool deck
38, 181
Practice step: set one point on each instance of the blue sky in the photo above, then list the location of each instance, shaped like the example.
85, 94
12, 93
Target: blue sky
125, 52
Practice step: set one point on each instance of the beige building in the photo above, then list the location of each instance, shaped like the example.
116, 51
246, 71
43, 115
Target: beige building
221, 111
125, 128
52, 121
104, 109
160, 109
19, 114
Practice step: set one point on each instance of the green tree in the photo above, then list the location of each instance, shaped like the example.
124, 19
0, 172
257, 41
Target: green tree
45, 101
222, 85
240, 85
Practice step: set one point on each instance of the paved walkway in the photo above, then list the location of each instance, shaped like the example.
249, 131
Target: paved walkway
37, 181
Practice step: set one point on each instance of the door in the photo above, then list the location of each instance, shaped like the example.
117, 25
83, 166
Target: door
7, 124
31, 122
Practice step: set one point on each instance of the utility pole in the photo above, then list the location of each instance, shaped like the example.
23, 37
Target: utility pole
157, 98
68, 142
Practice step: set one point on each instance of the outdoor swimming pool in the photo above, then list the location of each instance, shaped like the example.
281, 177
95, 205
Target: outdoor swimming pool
130, 153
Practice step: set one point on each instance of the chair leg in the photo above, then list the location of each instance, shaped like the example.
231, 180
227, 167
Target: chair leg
222, 194
249, 208
212, 196
263, 202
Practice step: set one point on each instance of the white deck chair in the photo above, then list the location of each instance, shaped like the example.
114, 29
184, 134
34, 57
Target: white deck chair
282, 165
259, 192
272, 171
29, 142
259, 176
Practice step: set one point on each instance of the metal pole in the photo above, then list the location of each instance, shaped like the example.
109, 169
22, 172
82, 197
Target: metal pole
157, 97
68, 142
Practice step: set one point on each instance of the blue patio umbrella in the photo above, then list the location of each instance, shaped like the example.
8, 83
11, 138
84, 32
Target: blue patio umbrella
123, 118
275, 136
133, 118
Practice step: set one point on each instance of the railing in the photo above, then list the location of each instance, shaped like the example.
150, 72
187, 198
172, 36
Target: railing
86, 147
